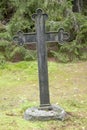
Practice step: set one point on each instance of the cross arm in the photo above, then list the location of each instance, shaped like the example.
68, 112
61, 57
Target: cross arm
24, 38
61, 36
27, 38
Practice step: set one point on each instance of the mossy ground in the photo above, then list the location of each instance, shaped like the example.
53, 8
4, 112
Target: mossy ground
19, 90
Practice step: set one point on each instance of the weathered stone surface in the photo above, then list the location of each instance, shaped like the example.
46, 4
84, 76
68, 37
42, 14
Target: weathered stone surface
40, 37
56, 113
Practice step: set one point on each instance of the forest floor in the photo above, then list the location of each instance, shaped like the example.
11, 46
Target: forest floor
19, 90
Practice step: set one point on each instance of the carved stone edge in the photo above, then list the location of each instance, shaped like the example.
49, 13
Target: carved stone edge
39, 11
64, 32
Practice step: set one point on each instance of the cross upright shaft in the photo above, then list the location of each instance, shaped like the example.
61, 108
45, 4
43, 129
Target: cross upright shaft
40, 37
42, 58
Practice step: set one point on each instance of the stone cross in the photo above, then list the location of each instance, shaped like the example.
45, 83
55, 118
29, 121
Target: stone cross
40, 37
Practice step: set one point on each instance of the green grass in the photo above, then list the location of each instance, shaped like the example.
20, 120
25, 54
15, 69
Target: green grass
19, 90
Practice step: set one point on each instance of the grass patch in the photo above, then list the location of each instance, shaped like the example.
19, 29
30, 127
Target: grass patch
19, 90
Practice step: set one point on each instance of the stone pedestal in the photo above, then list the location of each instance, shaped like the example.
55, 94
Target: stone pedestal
56, 113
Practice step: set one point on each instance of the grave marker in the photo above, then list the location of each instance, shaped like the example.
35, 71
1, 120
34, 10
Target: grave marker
40, 37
